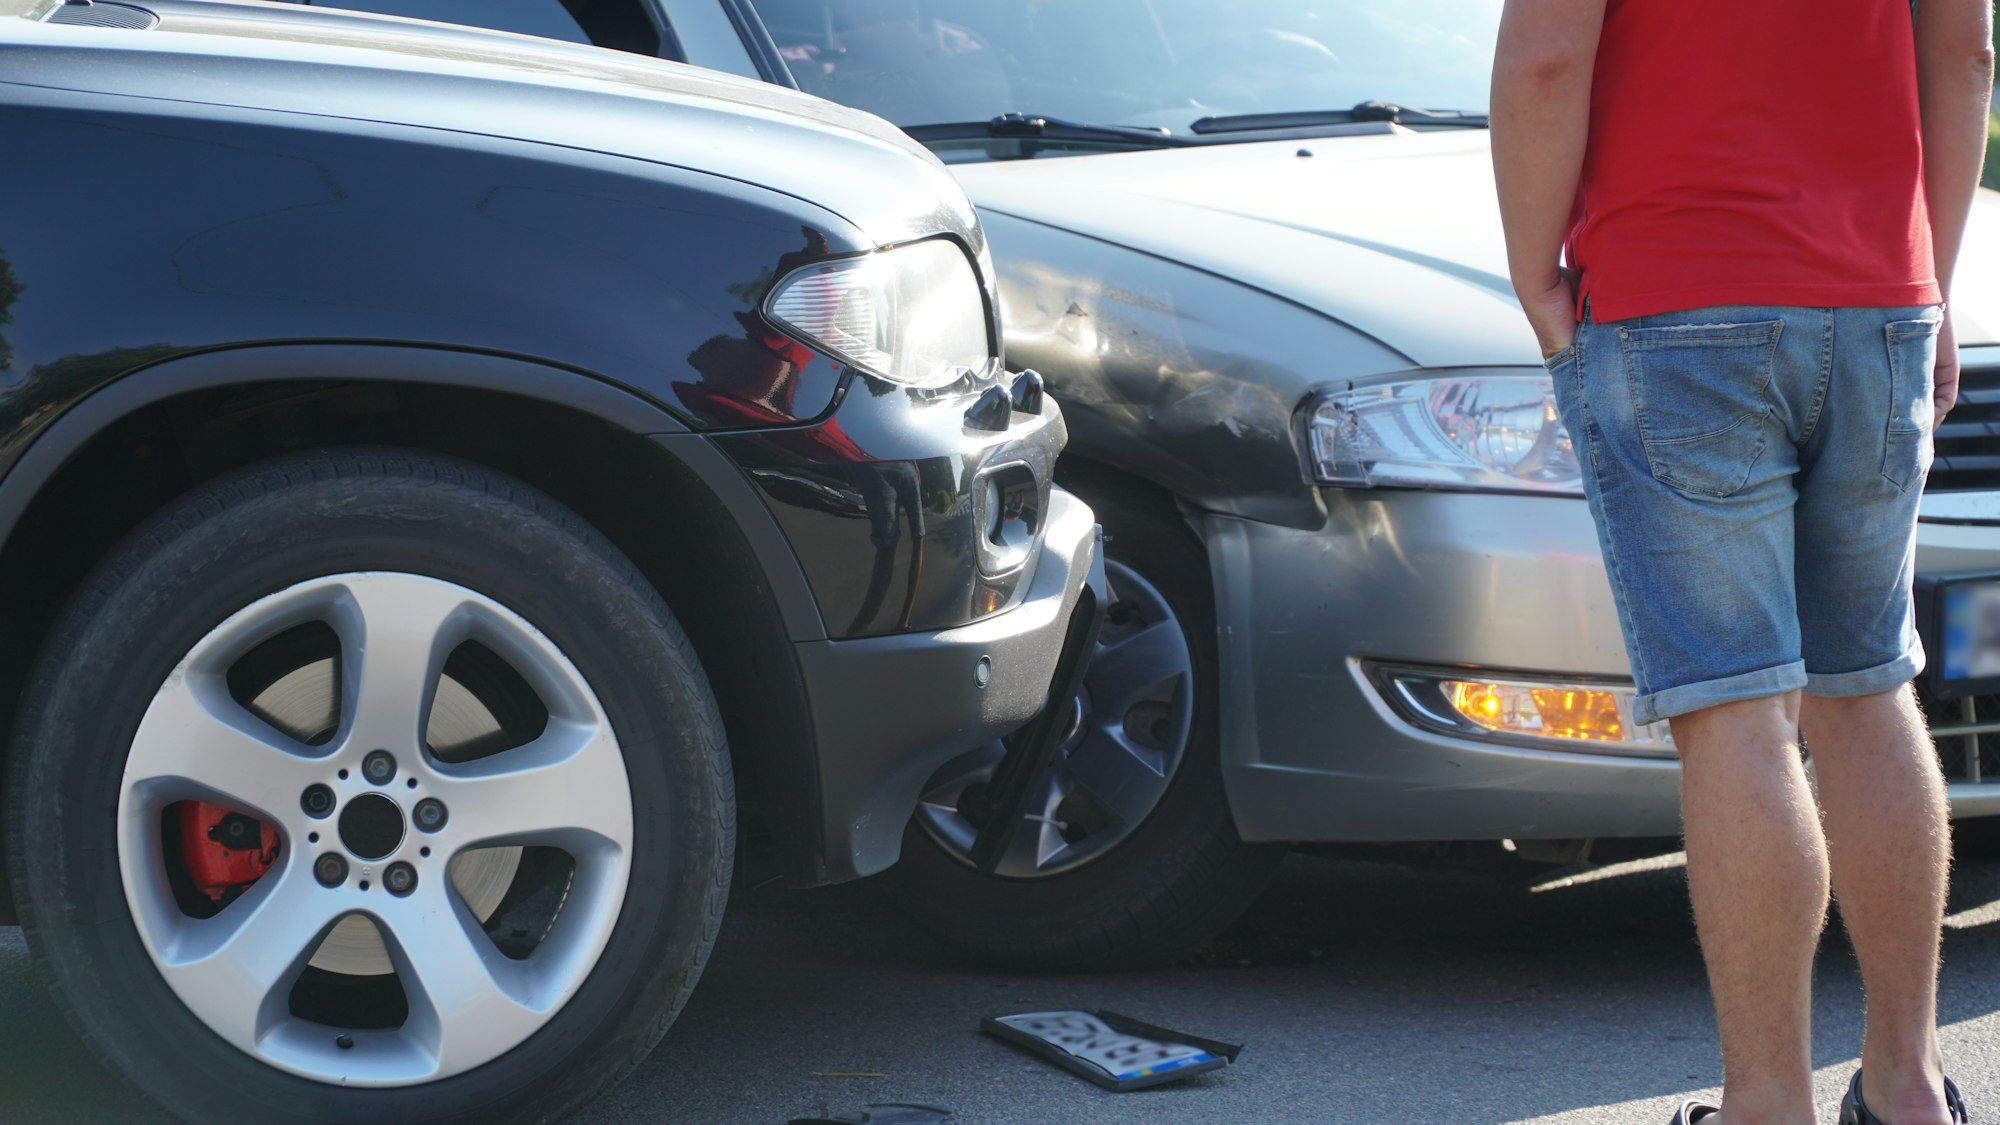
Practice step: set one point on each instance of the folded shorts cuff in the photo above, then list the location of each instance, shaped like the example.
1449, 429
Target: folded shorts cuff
1657, 705
1868, 681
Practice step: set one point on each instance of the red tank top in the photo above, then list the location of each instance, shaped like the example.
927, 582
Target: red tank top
1766, 152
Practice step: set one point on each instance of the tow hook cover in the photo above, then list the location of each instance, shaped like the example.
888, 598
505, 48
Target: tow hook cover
1028, 389
993, 411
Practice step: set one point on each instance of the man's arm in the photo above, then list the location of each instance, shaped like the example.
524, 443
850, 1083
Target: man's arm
1541, 120
1955, 85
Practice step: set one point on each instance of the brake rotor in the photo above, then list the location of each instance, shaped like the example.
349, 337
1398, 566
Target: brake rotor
305, 701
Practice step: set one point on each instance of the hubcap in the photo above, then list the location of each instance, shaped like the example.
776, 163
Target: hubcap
371, 826
1129, 729
259, 969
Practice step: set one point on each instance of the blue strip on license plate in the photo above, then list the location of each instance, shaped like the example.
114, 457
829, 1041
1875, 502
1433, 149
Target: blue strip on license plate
1162, 1068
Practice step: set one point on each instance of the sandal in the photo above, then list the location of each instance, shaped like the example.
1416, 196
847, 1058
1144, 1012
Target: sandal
1691, 1112
1854, 1111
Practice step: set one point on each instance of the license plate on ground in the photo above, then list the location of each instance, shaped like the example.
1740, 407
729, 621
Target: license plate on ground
1116, 1052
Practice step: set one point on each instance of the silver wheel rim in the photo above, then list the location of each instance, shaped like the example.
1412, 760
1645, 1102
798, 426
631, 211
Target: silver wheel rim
1129, 730
468, 1002
304, 701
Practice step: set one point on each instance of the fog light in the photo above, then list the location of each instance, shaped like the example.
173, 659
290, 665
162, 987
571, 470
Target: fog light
1593, 717
1007, 509
1589, 714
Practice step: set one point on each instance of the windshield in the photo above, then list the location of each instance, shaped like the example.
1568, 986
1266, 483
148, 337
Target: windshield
1154, 63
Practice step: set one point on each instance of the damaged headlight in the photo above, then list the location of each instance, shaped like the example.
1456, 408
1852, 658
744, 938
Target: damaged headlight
1485, 432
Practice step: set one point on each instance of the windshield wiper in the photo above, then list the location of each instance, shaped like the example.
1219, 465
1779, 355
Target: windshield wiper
1366, 111
1035, 126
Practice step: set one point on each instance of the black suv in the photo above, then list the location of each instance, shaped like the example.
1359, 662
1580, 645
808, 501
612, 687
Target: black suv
439, 471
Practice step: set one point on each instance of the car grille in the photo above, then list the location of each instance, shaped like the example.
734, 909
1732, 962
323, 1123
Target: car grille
1967, 733
87, 14
1968, 440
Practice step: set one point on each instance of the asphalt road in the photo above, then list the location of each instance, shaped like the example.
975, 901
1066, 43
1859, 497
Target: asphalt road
1364, 992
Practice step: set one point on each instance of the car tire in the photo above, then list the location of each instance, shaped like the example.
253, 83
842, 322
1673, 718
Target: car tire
414, 518
1177, 879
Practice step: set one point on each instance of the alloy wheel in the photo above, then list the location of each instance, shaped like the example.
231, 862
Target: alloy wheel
450, 829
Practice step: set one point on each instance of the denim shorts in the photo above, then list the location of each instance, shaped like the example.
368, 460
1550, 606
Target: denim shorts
1754, 474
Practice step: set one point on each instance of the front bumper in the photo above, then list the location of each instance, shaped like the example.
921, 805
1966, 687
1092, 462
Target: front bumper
888, 712
1312, 752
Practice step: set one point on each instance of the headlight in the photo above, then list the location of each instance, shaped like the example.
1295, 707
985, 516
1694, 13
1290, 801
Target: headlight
913, 314
1588, 716
1492, 431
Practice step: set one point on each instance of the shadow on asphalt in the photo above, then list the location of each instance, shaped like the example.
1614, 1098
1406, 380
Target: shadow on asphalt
1364, 991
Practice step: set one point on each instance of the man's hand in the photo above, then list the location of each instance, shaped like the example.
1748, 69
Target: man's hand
1551, 312
1944, 377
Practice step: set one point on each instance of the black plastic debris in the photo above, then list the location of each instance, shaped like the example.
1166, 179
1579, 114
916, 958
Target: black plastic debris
1116, 1052
886, 1113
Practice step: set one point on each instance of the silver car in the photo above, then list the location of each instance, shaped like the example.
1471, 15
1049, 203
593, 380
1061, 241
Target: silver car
1255, 250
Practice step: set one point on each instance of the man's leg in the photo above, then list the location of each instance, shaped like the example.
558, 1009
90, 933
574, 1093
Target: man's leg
1887, 829
1859, 491
1757, 871
1696, 510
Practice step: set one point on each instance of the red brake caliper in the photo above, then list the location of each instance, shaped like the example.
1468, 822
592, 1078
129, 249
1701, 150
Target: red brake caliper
224, 850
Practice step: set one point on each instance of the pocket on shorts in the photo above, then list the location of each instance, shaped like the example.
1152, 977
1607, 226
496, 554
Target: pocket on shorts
1906, 438
1699, 394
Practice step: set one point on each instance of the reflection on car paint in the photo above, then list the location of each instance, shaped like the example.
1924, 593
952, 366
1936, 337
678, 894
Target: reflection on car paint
893, 542
624, 277
10, 291
761, 377
281, 234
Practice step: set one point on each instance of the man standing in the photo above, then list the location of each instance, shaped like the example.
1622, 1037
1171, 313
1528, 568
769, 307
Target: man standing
1760, 205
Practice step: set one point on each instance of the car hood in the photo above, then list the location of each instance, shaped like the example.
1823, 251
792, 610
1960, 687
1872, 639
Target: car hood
286, 58
1396, 234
